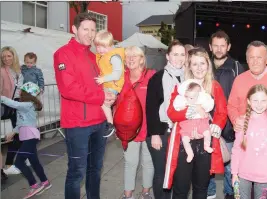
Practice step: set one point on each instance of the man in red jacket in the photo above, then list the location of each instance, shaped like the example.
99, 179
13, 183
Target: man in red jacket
81, 113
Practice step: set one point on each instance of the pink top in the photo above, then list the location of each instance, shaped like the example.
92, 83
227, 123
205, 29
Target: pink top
251, 164
27, 133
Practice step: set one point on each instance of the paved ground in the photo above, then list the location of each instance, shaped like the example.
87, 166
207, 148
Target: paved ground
56, 166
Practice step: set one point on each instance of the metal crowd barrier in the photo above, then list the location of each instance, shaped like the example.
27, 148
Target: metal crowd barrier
48, 119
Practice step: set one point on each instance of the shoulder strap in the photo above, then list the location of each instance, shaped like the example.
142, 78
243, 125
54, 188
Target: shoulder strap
236, 68
16, 85
137, 83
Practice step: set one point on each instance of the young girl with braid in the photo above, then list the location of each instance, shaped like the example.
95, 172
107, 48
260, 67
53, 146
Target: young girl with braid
249, 154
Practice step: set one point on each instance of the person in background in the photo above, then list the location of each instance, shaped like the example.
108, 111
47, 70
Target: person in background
11, 81
110, 61
159, 91
30, 71
249, 153
225, 69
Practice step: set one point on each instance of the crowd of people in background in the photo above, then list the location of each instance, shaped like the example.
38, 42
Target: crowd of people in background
195, 111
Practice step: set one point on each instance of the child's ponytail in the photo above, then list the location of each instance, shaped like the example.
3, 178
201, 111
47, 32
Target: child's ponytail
247, 117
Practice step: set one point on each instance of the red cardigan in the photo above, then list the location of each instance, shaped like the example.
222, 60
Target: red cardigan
219, 118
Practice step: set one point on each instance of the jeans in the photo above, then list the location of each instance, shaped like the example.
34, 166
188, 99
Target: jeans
227, 181
196, 172
28, 150
159, 162
85, 148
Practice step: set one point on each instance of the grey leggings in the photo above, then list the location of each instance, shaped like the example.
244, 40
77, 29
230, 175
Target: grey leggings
245, 189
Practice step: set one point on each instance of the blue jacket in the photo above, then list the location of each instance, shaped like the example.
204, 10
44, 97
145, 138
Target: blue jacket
26, 114
34, 75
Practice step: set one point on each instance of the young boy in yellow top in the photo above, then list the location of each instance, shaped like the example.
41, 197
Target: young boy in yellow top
110, 61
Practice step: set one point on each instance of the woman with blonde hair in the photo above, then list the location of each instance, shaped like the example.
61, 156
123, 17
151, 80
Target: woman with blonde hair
11, 81
179, 173
137, 76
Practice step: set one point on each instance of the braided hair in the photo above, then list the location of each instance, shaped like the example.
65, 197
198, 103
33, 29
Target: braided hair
252, 91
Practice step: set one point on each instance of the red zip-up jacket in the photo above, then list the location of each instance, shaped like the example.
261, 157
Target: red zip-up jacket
81, 98
219, 118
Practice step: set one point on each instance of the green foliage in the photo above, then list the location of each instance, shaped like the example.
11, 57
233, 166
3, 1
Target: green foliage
166, 33
79, 6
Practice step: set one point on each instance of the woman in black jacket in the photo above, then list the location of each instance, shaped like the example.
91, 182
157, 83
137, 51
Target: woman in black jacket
159, 92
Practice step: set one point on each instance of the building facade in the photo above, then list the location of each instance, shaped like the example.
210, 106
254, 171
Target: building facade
43, 14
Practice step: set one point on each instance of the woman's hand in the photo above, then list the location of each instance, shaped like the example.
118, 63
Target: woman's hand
9, 137
156, 142
195, 135
200, 110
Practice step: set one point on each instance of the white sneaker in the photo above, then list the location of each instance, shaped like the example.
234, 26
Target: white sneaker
12, 170
211, 197
28, 162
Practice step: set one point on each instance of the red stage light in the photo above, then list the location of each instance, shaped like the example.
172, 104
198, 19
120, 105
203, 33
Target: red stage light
248, 26
217, 24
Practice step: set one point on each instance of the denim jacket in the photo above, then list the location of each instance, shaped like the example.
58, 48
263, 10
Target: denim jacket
26, 114
34, 75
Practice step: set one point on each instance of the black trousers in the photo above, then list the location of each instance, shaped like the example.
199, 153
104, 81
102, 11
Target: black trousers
196, 172
159, 162
13, 146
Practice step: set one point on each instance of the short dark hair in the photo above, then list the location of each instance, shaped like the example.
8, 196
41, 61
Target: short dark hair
220, 34
31, 55
173, 43
82, 17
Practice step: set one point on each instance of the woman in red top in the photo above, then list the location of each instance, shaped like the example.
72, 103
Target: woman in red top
198, 171
136, 72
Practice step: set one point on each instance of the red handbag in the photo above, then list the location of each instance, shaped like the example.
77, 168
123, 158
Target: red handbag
128, 117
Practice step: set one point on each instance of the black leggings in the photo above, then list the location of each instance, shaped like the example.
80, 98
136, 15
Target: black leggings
13, 146
197, 172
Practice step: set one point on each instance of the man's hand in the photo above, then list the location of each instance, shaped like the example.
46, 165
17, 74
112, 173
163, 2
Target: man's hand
9, 137
239, 124
110, 98
200, 110
99, 80
156, 142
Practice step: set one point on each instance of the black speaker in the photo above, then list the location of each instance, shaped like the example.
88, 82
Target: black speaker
185, 23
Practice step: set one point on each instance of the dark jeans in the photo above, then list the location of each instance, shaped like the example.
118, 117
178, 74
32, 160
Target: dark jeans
28, 150
13, 147
85, 148
196, 172
159, 162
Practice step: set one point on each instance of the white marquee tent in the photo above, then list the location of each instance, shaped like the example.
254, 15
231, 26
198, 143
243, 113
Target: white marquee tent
155, 51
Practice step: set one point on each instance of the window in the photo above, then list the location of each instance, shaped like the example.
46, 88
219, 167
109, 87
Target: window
101, 20
35, 13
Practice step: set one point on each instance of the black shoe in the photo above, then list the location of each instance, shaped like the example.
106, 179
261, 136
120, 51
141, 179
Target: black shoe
110, 129
3, 176
227, 196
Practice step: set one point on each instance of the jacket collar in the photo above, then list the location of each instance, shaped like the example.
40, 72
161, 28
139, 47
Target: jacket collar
73, 42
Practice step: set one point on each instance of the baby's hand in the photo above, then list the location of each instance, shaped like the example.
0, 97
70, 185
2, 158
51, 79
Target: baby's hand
99, 80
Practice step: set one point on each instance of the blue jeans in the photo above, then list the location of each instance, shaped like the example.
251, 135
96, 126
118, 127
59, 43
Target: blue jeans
85, 148
28, 150
227, 181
